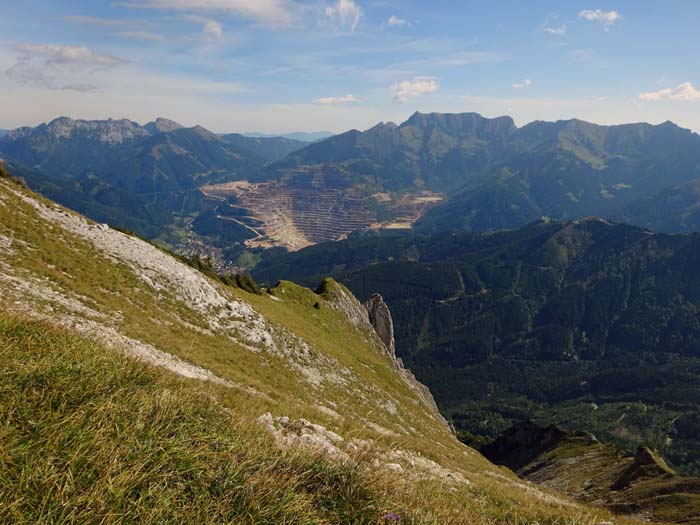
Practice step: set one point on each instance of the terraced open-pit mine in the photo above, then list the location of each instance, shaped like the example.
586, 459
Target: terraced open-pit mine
310, 205
304, 207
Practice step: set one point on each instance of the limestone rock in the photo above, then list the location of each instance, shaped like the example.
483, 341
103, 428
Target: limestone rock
380, 317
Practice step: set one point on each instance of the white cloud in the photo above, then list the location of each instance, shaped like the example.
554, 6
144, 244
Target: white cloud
412, 88
58, 67
556, 30
130, 29
685, 92
520, 85
336, 101
271, 12
52, 55
606, 18
395, 21
344, 13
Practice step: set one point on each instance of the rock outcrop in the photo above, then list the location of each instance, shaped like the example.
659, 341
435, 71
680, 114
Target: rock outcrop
599, 473
380, 317
374, 316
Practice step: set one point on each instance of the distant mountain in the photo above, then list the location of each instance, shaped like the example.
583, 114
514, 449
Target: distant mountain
146, 178
587, 324
271, 149
572, 169
70, 148
162, 125
436, 152
3, 132
301, 136
497, 175
182, 159
67, 147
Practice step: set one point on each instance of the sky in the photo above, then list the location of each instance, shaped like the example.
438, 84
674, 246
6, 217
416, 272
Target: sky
308, 65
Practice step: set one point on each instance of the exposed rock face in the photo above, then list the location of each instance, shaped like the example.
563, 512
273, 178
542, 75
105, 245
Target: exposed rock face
301, 433
106, 131
380, 317
383, 324
112, 132
646, 465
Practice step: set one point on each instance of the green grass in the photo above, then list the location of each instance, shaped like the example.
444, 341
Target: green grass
90, 437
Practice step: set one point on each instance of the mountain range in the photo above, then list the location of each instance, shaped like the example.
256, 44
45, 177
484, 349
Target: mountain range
145, 178
500, 176
434, 172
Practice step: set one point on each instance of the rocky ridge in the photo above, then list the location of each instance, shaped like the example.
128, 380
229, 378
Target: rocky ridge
105, 131
374, 317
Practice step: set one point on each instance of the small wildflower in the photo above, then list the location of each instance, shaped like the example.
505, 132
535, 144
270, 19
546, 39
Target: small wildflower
390, 517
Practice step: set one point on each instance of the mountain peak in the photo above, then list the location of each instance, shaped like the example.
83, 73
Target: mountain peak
162, 125
382, 126
205, 133
463, 124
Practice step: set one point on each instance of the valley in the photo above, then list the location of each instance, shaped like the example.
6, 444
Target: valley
587, 324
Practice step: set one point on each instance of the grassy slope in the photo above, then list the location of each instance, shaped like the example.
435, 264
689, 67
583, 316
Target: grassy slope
90, 436
87, 430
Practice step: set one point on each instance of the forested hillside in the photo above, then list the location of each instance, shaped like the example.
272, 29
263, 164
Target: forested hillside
589, 324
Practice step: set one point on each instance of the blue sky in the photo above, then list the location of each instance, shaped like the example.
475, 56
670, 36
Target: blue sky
284, 65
